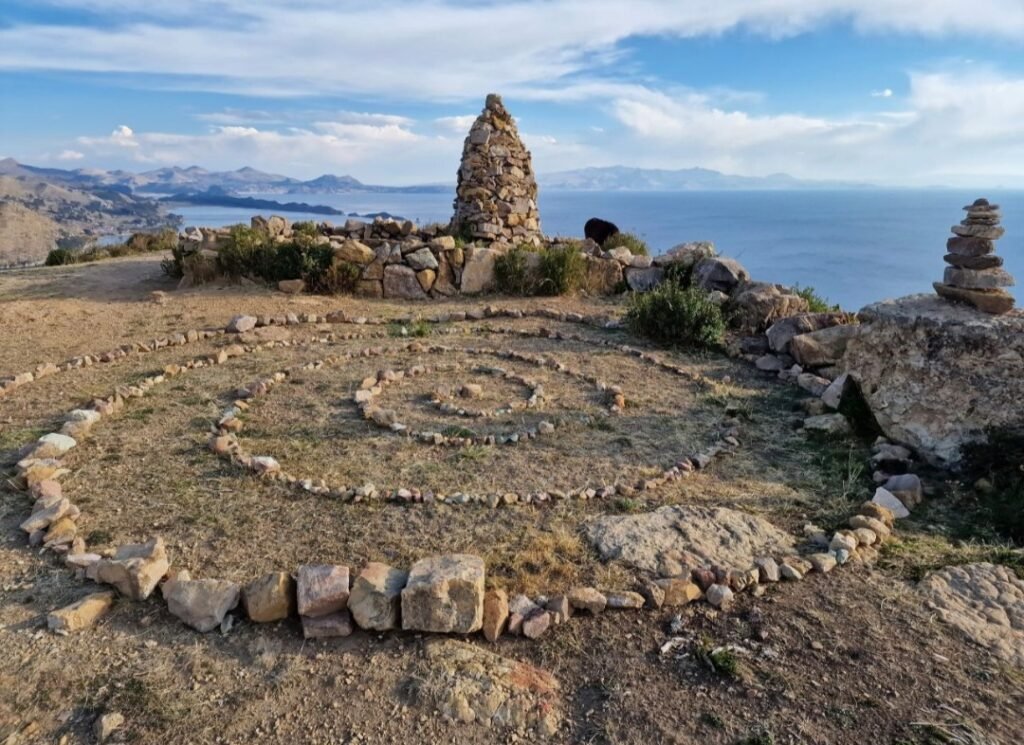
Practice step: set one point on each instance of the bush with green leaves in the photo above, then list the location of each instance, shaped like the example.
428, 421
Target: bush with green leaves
61, 257
512, 273
677, 316
679, 273
174, 266
815, 303
333, 277
999, 460
561, 269
636, 245
247, 252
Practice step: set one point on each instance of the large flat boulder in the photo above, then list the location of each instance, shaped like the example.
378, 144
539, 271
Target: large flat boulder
478, 272
937, 375
644, 279
720, 274
757, 305
603, 276
781, 333
400, 282
823, 347
469, 684
686, 254
687, 535
985, 602
445, 594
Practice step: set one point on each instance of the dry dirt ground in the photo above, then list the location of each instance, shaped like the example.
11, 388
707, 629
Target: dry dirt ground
851, 657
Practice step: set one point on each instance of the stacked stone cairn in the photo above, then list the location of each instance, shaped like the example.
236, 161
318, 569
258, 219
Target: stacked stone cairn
496, 195
975, 275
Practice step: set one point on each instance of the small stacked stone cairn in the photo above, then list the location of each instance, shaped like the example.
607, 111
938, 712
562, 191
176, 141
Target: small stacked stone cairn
975, 275
496, 196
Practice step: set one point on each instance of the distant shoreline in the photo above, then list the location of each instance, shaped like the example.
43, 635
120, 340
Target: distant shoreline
223, 200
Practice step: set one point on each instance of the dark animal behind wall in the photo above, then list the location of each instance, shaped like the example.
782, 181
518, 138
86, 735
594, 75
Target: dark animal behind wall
599, 230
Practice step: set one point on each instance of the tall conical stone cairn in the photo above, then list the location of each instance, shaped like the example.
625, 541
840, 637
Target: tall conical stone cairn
975, 275
496, 196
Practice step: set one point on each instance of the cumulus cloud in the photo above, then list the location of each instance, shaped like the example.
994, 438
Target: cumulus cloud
949, 128
387, 151
456, 124
323, 47
70, 155
122, 137
955, 127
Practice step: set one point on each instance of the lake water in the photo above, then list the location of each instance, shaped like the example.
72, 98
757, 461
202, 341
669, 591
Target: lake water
854, 247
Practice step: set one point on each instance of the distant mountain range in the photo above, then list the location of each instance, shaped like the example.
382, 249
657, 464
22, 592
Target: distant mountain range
40, 209
175, 180
621, 178
247, 181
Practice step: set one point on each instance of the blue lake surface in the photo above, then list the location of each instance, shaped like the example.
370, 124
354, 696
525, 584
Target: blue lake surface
854, 247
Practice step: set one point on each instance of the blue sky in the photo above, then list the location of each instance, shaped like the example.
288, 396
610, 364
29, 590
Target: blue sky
900, 92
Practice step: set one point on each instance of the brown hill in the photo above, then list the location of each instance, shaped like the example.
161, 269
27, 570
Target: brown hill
25, 235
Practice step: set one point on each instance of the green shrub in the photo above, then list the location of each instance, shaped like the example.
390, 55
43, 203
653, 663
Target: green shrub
512, 274
636, 245
173, 266
305, 228
140, 243
722, 660
1000, 460
61, 257
336, 277
418, 328
248, 252
561, 270
676, 315
679, 273
815, 302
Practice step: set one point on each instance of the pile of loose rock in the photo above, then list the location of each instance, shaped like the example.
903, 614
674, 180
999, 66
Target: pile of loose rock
975, 274
496, 191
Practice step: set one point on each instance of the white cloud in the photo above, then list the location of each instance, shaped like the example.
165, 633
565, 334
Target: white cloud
386, 151
945, 123
954, 128
70, 155
456, 124
949, 128
320, 47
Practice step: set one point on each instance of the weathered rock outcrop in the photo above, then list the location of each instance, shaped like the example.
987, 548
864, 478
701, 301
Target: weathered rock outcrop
469, 684
984, 601
823, 347
781, 333
496, 195
686, 535
936, 375
757, 305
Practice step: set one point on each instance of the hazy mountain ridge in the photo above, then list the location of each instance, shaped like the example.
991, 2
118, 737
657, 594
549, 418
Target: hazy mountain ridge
43, 208
623, 178
177, 180
247, 181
